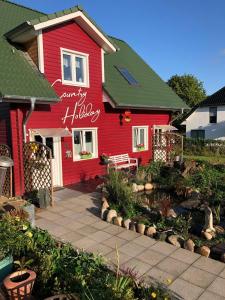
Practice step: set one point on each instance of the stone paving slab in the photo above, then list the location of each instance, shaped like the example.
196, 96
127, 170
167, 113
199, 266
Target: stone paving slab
75, 218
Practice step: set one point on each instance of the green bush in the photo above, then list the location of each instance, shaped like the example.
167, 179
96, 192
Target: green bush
204, 147
62, 269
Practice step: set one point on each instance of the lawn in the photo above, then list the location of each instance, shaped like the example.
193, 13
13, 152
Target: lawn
210, 159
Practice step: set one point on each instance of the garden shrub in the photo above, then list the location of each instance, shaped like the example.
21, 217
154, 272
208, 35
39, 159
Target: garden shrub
204, 147
62, 269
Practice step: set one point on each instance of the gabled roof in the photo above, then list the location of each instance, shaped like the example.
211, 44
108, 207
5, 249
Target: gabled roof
151, 92
26, 30
218, 98
18, 78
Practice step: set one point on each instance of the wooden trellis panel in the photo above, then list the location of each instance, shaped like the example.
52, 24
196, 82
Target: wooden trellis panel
37, 159
7, 188
166, 146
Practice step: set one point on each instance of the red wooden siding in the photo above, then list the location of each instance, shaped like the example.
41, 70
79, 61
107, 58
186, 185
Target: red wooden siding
113, 137
5, 135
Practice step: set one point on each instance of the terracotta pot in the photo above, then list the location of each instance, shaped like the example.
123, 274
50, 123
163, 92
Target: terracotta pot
141, 228
19, 284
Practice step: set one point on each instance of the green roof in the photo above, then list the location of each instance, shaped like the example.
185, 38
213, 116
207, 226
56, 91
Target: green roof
151, 92
18, 78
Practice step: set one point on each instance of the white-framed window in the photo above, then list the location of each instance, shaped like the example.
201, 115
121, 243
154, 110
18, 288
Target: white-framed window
212, 114
75, 68
85, 143
139, 138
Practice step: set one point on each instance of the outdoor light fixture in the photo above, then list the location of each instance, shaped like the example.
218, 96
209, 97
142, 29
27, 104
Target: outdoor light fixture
127, 115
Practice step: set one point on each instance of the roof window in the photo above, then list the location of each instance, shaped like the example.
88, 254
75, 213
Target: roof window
127, 75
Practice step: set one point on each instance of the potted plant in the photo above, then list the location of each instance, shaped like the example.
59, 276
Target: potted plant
85, 155
105, 158
19, 284
6, 264
140, 147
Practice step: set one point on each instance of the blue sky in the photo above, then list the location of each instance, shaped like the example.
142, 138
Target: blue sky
173, 36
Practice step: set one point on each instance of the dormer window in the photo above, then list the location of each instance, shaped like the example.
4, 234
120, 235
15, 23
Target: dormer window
75, 68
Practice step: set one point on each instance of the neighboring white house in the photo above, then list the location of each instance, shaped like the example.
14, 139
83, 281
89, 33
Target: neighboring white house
207, 120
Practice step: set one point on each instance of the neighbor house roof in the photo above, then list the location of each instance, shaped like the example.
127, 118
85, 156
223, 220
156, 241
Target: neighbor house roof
19, 79
218, 98
149, 92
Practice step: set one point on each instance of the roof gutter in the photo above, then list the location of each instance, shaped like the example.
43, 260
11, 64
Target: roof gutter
26, 99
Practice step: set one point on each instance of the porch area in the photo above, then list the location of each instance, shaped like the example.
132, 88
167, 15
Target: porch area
75, 218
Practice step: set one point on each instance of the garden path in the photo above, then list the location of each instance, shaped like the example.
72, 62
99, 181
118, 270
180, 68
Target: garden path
75, 218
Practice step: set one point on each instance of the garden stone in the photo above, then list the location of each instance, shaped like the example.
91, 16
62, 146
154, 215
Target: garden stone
189, 204
104, 213
208, 227
133, 226
219, 229
105, 204
204, 251
189, 245
149, 186
174, 240
111, 214
118, 221
222, 257
134, 188
126, 223
141, 228
218, 250
208, 236
150, 231
162, 236
140, 187
171, 213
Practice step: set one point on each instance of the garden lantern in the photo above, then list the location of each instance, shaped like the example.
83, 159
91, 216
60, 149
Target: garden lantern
5, 163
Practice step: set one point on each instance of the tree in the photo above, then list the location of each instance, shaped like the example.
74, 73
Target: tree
188, 88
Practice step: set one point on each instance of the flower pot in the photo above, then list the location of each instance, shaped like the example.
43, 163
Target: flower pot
19, 284
141, 228
86, 156
6, 266
141, 148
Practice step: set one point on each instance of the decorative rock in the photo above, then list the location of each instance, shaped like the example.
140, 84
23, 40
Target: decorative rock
222, 257
141, 228
149, 186
134, 188
189, 245
208, 236
126, 223
111, 214
162, 236
208, 227
218, 250
171, 213
204, 251
118, 221
105, 204
150, 231
133, 226
140, 187
173, 239
104, 213
219, 229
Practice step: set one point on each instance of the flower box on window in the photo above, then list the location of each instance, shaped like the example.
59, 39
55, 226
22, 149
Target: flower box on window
140, 147
85, 155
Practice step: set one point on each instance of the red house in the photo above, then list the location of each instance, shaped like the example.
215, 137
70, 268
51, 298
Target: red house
66, 84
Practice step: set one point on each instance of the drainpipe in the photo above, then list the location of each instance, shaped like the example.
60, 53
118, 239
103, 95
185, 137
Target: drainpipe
26, 119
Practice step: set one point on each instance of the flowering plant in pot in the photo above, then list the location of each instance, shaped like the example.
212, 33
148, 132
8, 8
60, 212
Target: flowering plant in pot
19, 284
85, 155
140, 147
105, 158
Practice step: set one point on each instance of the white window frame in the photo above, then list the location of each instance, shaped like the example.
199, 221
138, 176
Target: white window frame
73, 55
76, 156
134, 149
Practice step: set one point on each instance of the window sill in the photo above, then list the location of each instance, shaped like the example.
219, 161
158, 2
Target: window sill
86, 85
137, 151
84, 159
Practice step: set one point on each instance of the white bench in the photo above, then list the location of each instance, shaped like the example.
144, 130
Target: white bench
122, 161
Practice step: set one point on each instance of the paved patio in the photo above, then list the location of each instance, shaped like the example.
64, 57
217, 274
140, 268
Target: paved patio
75, 218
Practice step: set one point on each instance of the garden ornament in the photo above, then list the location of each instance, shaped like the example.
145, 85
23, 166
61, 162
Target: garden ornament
208, 227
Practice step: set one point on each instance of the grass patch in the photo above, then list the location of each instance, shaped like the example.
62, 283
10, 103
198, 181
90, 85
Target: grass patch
209, 159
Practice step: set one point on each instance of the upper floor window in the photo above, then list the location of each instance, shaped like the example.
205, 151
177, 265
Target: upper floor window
213, 114
75, 68
198, 134
140, 138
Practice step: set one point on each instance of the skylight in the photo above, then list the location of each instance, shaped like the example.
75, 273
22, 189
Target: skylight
127, 75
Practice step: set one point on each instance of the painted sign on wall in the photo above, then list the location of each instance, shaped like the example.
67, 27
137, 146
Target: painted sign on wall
81, 109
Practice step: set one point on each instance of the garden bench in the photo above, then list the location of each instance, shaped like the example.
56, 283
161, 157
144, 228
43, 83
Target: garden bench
122, 161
